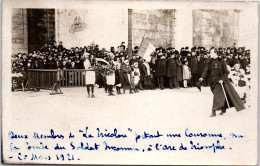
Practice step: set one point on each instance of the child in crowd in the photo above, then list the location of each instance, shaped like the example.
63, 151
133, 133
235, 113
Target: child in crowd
136, 77
186, 74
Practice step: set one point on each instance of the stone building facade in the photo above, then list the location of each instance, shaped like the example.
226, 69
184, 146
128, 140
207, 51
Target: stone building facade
31, 28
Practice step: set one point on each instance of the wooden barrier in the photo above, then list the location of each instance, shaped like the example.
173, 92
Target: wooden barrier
44, 79
71, 77
54, 79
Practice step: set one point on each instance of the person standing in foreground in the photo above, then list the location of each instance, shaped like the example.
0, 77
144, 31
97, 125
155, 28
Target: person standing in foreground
217, 72
110, 76
90, 76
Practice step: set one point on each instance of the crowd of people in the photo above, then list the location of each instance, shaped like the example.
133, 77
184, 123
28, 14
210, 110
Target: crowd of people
166, 68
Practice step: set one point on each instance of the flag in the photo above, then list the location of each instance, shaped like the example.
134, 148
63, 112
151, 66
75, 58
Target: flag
145, 49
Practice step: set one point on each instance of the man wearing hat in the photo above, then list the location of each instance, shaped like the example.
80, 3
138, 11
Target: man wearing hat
37, 62
224, 93
160, 71
186, 51
244, 62
193, 64
172, 72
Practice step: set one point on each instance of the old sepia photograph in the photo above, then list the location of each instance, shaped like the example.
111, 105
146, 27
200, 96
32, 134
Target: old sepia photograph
129, 82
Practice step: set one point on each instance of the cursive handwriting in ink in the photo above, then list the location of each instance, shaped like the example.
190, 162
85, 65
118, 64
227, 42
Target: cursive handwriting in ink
147, 135
115, 148
215, 147
111, 135
12, 147
36, 147
201, 134
85, 134
233, 135
16, 136
51, 136
85, 146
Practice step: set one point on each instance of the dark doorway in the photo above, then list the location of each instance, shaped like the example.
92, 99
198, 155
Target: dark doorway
41, 28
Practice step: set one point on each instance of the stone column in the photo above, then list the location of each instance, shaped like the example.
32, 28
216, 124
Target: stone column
130, 12
57, 25
19, 31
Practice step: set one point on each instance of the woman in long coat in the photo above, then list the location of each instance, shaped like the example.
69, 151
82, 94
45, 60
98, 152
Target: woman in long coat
154, 82
145, 67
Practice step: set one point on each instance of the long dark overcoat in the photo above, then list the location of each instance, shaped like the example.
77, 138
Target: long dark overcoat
171, 68
219, 101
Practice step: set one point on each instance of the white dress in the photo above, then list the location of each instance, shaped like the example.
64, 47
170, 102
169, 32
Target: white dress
235, 77
90, 76
136, 75
111, 79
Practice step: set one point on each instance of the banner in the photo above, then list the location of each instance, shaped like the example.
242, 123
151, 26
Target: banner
145, 49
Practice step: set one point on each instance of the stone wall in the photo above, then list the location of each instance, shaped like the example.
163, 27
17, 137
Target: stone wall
217, 28
82, 27
19, 31
183, 28
156, 25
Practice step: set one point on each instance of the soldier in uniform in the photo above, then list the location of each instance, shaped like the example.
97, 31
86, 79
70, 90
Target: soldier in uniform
217, 72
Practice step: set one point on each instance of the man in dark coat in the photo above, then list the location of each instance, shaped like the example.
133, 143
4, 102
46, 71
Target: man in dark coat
44, 48
127, 80
172, 72
235, 60
194, 68
37, 62
140, 61
153, 65
118, 79
244, 62
161, 70
51, 64
217, 72
201, 66
179, 70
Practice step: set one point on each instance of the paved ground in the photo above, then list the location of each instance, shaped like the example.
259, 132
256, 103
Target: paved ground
164, 110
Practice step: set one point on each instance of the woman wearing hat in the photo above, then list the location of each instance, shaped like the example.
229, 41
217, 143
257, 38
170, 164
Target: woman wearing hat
110, 77
240, 83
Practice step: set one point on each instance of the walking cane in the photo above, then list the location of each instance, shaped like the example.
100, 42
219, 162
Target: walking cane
224, 93
158, 82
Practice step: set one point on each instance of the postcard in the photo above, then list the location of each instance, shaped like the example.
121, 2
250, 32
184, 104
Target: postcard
130, 82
